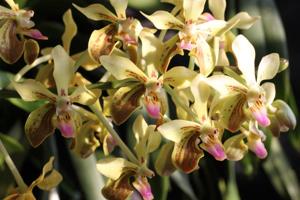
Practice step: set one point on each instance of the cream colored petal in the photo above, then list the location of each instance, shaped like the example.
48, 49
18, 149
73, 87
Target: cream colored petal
176, 130
85, 96
70, 30
179, 77
114, 167
235, 147
212, 28
204, 57
270, 92
201, 92
268, 67
63, 70
245, 55
225, 85
97, 12
192, 9
139, 128
217, 7
164, 165
32, 90
245, 21
120, 7
164, 20
122, 68
154, 138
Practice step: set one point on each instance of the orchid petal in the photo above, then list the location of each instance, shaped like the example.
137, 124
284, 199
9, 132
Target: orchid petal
49, 178
176, 130
186, 153
35, 34
68, 122
122, 68
31, 51
120, 7
245, 55
113, 168
285, 115
86, 61
143, 187
139, 130
204, 57
230, 111
268, 67
70, 30
163, 164
217, 7
259, 112
216, 149
109, 143
101, 42
11, 47
177, 3
119, 189
63, 70
245, 21
32, 90
154, 138
179, 77
235, 147
125, 101
164, 20
39, 124
201, 92
85, 96
152, 104
97, 12
270, 92
225, 85
192, 9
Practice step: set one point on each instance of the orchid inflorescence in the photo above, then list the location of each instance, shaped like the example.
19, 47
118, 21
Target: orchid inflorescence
224, 106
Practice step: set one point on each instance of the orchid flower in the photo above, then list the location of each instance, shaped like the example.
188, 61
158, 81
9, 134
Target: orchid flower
248, 95
122, 28
191, 137
49, 179
15, 23
126, 99
58, 112
119, 170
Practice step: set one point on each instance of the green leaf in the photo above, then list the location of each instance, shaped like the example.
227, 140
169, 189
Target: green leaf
232, 192
5, 78
26, 105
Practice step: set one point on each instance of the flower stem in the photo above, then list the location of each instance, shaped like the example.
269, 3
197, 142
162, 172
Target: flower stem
26, 68
191, 63
115, 135
12, 5
22, 185
178, 101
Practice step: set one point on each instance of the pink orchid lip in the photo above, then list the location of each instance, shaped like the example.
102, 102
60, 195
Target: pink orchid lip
185, 45
153, 109
34, 33
259, 149
144, 188
261, 117
66, 130
217, 152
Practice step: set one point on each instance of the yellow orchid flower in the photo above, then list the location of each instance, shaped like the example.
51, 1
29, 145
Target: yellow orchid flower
249, 95
126, 99
119, 170
191, 137
15, 24
58, 111
122, 28
49, 179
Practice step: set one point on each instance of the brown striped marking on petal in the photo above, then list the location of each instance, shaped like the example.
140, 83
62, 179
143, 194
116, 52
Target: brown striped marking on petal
119, 189
39, 124
11, 47
125, 101
186, 154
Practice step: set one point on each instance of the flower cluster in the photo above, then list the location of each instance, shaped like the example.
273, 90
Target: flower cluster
223, 105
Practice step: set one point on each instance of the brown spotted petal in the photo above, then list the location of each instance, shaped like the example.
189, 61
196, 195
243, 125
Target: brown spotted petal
125, 101
230, 110
101, 42
39, 124
186, 154
31, 51
11, 47
119, 189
